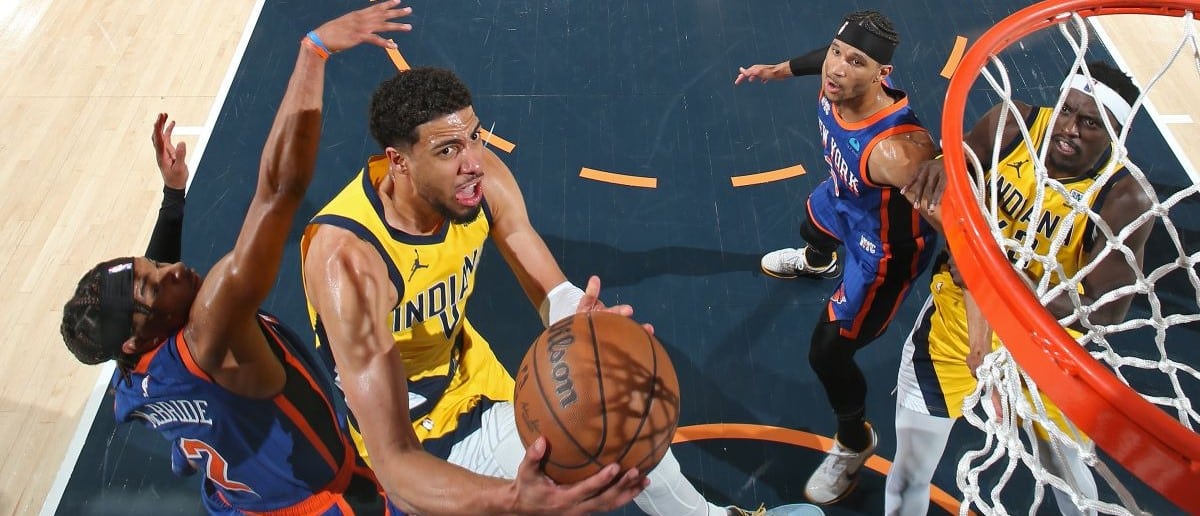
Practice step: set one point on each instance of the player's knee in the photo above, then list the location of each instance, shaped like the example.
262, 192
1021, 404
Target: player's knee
829, 350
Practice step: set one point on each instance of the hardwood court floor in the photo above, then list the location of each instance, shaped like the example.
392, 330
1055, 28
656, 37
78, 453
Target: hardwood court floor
82, 84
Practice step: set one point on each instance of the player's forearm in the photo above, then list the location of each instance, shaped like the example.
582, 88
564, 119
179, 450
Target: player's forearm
420, 483
531, 261
979, 331
290, 153
166, 240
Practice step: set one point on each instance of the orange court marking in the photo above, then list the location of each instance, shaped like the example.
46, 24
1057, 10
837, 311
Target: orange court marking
397, 59
956, 55
496, 141
767, 177
796, 438
619, 179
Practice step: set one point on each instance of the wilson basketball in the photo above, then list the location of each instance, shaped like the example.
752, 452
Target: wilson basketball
601, 390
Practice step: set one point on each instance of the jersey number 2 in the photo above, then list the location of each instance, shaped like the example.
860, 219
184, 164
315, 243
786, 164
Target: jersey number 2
217, 470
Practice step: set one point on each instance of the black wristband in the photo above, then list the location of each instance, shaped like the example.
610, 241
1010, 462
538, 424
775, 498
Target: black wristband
809, 63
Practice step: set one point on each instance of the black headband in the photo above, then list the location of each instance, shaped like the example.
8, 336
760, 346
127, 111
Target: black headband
116, 306
869, 43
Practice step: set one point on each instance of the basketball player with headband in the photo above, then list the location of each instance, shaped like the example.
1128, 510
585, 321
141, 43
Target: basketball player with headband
951, 337
872, 142
226, 384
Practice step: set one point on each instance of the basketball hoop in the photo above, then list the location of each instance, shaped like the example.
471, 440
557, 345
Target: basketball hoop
1162, 451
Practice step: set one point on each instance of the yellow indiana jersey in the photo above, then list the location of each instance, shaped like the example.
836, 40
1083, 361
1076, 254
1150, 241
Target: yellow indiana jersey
1018, 215
450, 366
943, 347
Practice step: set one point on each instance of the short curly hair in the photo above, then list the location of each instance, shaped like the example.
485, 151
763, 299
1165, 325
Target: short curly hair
411, 98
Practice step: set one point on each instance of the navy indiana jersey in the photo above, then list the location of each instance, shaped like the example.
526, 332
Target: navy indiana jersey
282, 455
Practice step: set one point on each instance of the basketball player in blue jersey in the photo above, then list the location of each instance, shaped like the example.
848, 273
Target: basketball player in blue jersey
872, 143
198, 362
937, 369
389, 265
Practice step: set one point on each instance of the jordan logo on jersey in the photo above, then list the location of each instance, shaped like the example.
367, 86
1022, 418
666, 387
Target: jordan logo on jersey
440, 300
417, 265
1016, 165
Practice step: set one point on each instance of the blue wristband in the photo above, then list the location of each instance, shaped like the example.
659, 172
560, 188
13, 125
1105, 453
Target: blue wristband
312, 35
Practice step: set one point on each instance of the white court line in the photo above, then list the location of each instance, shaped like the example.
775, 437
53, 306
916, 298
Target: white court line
88, 414
1176, 119
190, 130
1159, 120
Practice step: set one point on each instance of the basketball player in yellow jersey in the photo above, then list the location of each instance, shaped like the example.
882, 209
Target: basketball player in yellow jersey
950, 338
389, 265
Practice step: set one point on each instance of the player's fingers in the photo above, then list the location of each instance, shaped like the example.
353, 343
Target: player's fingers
379, 41
591, 295
628, 486
622, 310
396, 27
648, 327
531, 464
593, 486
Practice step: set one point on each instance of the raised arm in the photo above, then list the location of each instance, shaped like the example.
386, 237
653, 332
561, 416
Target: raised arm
223, 335
166, 240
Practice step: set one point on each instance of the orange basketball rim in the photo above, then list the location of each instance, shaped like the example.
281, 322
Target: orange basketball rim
1143, 438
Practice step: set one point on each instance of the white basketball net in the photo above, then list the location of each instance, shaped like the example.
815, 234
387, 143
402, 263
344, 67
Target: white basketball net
1011, 442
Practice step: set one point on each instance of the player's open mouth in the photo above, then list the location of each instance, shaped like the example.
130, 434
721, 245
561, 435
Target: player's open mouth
832, 87
1065, 147
470, 194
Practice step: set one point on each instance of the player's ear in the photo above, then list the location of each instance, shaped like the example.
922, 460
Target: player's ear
884, 71
397, 160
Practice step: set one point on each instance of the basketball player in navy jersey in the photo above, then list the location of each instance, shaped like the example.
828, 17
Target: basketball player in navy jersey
872, 142
948, 343
198, 362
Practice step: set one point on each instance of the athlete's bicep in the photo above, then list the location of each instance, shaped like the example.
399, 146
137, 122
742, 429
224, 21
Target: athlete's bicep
894, 161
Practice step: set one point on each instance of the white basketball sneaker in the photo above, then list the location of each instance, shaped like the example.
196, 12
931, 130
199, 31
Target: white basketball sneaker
790, 263
838, 474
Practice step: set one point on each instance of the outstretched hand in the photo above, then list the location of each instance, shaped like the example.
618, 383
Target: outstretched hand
362, 26
171, 158
591, 301
758, 72
538, 494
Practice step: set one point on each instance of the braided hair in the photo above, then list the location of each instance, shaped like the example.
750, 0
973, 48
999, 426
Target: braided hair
875, 23
81, 322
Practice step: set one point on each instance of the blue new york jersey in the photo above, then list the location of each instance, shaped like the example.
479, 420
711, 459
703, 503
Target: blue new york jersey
886, 242
283, 454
